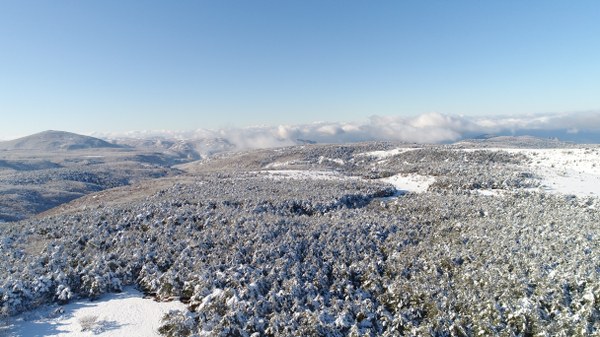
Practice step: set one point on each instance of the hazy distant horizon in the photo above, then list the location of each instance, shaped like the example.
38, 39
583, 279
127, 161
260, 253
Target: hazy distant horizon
579, 127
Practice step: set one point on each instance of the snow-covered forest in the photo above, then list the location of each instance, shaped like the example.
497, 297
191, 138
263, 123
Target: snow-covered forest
314, 241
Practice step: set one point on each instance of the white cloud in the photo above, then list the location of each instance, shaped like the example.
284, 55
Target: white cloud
426, 128
586, 120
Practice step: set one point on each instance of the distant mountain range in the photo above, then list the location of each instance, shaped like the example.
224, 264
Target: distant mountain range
196, 148
190, 149
50, 168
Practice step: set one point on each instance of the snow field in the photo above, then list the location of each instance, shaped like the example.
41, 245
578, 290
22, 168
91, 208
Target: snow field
410, 182
123, 314
301, 174
572, 171
402, 182
388, 153
566, 171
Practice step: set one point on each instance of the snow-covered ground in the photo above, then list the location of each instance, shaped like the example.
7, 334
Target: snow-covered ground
283, 164
332, 160
410, 182
123, 314
304, 174
402, 182
568, 171
388, 153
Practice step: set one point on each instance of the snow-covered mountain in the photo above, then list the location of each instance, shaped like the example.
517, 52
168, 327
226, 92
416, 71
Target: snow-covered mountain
55, 141
187, 149
47, 169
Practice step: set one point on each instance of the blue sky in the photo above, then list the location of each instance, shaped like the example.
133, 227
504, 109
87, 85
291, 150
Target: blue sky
136, 65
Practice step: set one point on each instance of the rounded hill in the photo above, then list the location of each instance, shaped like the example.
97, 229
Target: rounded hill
55, 140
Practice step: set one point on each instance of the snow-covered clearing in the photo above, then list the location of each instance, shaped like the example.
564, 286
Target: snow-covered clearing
562, 170
388, 153
488, 192
573, 171
332, 160
292, 163
409, 182
280, 164
402, 182
568, 171
304, 174
123, 314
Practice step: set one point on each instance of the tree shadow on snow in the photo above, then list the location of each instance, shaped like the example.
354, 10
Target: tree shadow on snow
103, 326
34, 329
52, 321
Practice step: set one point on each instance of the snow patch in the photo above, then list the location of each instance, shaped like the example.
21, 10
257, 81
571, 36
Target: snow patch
402, 182
388, 153
333, 160
488, 193
123, 314
275, 165
302, 174
410, 182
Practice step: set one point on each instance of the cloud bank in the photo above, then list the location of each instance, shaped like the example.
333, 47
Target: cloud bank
583, 127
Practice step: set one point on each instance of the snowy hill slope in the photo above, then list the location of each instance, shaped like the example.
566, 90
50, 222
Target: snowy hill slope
527, 142
55, 141
48, 169
189, 149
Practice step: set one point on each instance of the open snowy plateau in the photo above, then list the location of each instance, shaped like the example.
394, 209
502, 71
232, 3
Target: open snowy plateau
483, 238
